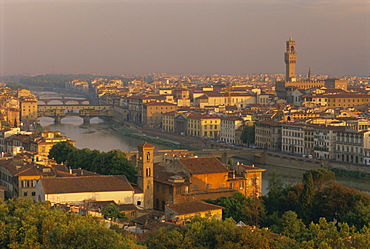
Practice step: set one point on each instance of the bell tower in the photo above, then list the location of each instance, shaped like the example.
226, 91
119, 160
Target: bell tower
290, 60
146, 173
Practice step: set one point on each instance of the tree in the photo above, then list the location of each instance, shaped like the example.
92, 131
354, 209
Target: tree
248, 134
166, 238
233, 206
82, 158
14, 85
112, 211
114, 162
253, 210
60, 151
306, 198
336, 200
25, 224
291, 225
320, 177
275, 199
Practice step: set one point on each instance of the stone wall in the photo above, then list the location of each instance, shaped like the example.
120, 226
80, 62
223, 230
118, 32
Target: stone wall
303, 163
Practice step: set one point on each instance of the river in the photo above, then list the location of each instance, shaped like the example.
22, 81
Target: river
98, 135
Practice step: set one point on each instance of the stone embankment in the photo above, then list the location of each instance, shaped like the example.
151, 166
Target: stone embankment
176, 138
288, 161
268, 157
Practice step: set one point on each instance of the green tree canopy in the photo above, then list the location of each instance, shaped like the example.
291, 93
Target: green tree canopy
113, 162
291, 225
25, 224
248, 135
112, 211
320, 177
241, 208
60, 151
306, 198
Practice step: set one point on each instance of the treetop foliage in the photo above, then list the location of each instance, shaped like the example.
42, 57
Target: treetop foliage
25, 224
113, 162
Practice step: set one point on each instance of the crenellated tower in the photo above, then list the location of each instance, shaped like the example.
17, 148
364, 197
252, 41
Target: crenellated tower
290, 60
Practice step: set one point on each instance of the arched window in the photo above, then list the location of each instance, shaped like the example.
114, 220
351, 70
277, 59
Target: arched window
147, 171
148, 156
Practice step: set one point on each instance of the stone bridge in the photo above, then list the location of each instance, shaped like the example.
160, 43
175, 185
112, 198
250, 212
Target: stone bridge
87, 112
63, 99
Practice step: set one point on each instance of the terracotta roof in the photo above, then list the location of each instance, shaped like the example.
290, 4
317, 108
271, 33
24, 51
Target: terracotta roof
203, 165
159, 104
96, 205
145, 145
98, 183
162, 176
251, 168
83, 172
193, 207
127, 207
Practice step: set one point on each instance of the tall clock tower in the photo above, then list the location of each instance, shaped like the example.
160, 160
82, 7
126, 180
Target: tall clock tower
290, 60
146, 173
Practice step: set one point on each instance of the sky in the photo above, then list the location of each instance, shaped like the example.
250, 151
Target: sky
183, 36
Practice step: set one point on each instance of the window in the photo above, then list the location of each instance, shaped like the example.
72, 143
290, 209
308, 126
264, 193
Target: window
241, 185
147, 172
178, 190
195, 187
209, 186
163, 188
138, 203
33, 193
25, 194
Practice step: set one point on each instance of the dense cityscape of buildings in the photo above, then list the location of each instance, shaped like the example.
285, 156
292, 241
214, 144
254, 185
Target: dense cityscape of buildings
311, 116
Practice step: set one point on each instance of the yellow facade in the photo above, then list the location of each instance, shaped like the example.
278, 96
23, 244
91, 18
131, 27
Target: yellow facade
210, 127
26, 185
203, 126
211, 213
168, 122
194, 127
28, 110
49, 139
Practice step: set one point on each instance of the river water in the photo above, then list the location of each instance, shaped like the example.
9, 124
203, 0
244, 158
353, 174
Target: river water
98, 135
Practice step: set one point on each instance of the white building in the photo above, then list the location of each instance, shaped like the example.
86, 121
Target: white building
325, 141
292, 140
76, 190
228, 127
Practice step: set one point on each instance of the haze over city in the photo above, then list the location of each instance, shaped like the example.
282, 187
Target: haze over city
183, 37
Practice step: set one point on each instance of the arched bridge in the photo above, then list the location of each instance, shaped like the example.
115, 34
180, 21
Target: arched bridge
58, 112
63, 99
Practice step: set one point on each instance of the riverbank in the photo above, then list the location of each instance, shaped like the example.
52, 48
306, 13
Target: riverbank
151, 137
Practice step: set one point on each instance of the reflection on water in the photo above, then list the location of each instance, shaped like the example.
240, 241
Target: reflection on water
96, 135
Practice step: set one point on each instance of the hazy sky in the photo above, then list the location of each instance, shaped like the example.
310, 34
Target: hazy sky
180, 36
